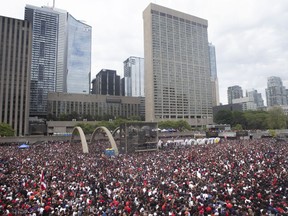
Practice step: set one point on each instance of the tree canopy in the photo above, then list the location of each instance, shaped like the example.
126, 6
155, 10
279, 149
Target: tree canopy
275, 118
6, 130
179, 125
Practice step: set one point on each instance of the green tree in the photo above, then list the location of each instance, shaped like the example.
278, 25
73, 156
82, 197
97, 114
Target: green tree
6, 130
118, 121
272, 133
167, 124
73, 115
63, 117
256, 119
238, 127
223, 117
238, 119
88, 117
182, 125
277, 118
135, 118
87, 128
51, 117
107, 117
108, 124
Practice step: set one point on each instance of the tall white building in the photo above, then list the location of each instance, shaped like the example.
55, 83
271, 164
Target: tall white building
247, 103
256, 97
276, 94
177, 68
252, 101
61, 55
134, 77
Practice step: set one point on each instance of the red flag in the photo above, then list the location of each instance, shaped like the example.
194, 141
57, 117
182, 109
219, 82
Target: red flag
42, 182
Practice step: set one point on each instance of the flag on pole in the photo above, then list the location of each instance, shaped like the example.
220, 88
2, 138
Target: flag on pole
42, 181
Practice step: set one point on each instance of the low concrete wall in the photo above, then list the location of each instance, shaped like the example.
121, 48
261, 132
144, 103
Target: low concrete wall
33, 139
40, 138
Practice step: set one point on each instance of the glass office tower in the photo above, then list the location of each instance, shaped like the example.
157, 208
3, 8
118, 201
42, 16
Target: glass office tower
45, 26
213, 74
61, 55
134, 76
177, 68
79, 56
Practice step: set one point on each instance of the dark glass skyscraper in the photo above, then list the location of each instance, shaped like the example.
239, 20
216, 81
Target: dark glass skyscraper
234, 92
107, 82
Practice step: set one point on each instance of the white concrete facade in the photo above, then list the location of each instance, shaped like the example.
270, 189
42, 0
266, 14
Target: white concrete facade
177, 68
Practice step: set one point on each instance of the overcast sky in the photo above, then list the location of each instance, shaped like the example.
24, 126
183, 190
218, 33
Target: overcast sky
250, 36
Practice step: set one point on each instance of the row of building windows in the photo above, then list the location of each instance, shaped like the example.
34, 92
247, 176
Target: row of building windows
180, 116
157, 13
14, 56
93, 108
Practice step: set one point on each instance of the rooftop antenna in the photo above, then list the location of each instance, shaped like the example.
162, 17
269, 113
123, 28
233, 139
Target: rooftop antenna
53, 4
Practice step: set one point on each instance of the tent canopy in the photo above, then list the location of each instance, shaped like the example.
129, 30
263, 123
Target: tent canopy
23, 146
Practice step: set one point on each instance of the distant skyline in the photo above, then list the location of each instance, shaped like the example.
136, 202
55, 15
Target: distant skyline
250, 37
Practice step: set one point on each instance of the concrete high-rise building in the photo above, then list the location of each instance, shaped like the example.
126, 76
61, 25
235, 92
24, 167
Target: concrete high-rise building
61, 55
252, 101
276, 94
107, 82
177, 68
134, 77
15, 66
213, 74
247, 103
234, 92
256, 97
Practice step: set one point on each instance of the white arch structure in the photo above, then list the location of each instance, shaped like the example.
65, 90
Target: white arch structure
115, 131
84, 142
110, 137
82, 137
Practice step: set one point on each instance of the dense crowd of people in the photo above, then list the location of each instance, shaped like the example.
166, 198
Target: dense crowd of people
234, 177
